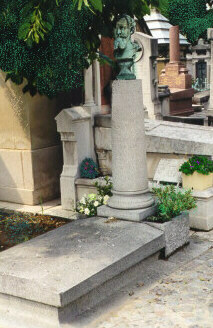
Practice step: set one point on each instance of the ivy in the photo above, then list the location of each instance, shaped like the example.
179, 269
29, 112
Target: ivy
192, 16
54, 64
48, 43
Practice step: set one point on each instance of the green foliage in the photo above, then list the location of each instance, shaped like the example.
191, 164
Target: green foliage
164, 7
171, 202
89, 169
91, 4
49, 43
56, 63
106, 188
200, 164
88, 204
192, 17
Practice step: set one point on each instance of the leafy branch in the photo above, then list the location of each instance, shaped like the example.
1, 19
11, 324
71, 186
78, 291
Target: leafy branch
95, 4
37, 21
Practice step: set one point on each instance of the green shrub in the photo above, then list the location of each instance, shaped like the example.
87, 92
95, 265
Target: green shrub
171, 202
89, 169
200, 164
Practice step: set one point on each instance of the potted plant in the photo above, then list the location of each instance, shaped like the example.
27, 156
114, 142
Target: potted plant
172, 216
197, 173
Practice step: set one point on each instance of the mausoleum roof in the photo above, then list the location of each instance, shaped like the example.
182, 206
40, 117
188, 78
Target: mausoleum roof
159, 27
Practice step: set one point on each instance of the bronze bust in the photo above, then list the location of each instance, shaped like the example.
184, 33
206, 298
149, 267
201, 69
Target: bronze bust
124, 48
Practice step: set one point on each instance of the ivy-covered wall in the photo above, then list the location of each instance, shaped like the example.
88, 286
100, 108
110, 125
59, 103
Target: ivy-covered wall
192, 16
55, 64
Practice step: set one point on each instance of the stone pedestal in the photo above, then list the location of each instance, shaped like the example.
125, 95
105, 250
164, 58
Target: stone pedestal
176, 76
129, 167
74, 125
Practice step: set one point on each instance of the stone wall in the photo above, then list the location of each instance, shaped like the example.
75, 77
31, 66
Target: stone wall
30, 149
164, 140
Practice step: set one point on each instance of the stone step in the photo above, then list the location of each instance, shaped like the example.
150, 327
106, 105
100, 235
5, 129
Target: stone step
54, 277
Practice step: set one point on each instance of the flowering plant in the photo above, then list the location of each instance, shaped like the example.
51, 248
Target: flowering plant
171, 202
89, 169
200, 164
88, 204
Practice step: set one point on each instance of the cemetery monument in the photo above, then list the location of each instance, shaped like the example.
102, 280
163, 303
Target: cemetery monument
176, 76
124, 49
131, 197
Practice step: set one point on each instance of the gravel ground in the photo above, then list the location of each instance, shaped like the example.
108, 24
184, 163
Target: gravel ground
177, 293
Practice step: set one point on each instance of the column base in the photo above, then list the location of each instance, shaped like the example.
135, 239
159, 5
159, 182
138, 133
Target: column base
131, 200
127, 215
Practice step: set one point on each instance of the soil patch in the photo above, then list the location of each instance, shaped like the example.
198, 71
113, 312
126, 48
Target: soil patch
16, 227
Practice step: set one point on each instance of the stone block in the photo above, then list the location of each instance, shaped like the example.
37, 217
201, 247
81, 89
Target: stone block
30, 155
176, 232
30, 177
210, 33
201, 218
84, 267
137, 215
146, 65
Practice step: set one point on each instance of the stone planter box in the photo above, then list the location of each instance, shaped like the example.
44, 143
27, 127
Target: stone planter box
176, 232
201, 218
197, 181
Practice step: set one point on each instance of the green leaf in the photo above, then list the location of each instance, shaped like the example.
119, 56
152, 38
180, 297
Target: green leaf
97, 4
50, 18
47, 26
80, 3
29, 42
36, 36
23, 31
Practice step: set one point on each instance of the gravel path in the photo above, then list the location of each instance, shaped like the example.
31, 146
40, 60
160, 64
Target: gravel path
177, 293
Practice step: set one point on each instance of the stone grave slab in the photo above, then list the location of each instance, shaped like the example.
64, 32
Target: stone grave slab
46, 281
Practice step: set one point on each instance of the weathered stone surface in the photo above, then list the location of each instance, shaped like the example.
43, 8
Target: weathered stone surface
30, 176
176, 232
201, 218
166, 137
27, 134
129, 215
48, 277
75, 127
129, 167
146, 66
163, 139
78, 247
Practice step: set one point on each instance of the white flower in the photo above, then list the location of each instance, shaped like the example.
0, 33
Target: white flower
86, 211
106, 198
83, 201
96, 203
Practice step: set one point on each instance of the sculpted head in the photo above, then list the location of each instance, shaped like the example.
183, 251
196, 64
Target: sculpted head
125, 27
